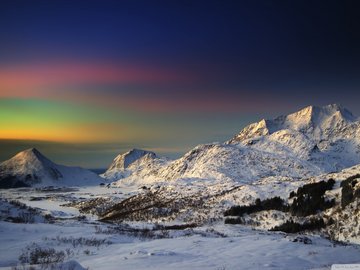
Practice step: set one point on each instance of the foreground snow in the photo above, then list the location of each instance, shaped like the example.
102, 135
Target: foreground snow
215, 246
242, 249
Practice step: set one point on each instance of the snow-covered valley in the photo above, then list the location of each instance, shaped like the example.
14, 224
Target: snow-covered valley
145, 245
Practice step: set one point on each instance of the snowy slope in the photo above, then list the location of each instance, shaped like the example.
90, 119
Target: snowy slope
236, 163
30, 167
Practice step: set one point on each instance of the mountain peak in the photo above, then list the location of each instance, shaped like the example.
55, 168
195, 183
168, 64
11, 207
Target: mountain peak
308, 119
314, 112
135, 151
124, 160
30, 167
345, 113
31, 155
317, 116
33, 151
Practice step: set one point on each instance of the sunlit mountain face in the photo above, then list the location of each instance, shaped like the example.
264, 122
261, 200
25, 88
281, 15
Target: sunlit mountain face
83, 81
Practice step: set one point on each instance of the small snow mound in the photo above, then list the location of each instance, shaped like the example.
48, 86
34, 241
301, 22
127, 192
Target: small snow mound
71, 265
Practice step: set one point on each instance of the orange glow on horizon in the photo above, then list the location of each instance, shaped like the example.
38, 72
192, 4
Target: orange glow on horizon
85, 133
56, 135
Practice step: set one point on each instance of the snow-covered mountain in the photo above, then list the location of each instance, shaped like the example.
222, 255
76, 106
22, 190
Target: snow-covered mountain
309, 142
133, 162
30, 167
315, 122
328, 136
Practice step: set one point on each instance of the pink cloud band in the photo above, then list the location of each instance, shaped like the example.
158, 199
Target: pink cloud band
24, 78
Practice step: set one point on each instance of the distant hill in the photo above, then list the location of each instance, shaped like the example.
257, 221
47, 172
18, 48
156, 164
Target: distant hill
31, 168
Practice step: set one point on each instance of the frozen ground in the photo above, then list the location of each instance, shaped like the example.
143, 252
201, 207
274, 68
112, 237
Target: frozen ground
98, 245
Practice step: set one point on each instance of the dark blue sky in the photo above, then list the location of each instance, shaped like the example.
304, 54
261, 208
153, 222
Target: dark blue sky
257, 44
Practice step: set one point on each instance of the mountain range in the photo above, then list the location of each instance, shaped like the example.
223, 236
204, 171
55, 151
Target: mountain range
310, 142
